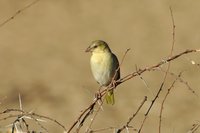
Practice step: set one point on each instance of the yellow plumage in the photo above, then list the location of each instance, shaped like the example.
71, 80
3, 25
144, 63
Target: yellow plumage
103, 64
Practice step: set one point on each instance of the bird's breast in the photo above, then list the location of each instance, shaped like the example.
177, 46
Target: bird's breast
101, 65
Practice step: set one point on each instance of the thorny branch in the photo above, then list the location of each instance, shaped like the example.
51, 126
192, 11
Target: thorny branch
88, 130
162, 104
168, 67
18, 12
126, 78
126, 126
194, 128
132, 117
84, 114
153, 67
181, 80
151, 105
21, 115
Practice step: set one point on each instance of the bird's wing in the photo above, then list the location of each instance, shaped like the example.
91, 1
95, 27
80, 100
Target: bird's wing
116, 62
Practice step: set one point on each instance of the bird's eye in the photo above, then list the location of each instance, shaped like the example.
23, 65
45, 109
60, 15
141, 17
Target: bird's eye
95, 46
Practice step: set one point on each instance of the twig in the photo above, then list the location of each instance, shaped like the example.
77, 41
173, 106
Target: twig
18, 12
20, 102
112, 128
103, 129
194, 128
88, 130
24, 114
162, 104
173, 30
50, 119
153, 67
84, 114
183, 82
151, 105
38, 123
132, 117
173, 43
26, 125
144, 82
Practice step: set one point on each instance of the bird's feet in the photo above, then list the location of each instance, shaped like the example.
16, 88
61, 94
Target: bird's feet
114, 84
98, 97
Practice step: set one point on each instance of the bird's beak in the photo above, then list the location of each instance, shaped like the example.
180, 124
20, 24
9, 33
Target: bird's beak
88, 49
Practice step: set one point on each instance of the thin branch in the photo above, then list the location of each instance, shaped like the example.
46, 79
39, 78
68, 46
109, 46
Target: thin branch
24, 114
151, 105
132, 117
20, 102
183, 82
173, 30
88, 130
103, 129
38, 123
145, 83
165, 77
162, 104
173, 43
153, 67
194, 128
26, 125
112, 128
85, 113
18, 12
50, 119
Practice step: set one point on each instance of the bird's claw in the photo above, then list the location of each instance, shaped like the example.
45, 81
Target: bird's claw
98, 97
114, 83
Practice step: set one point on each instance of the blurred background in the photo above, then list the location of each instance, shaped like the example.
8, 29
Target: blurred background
42, 57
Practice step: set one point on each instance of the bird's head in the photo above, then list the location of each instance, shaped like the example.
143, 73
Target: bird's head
98, 46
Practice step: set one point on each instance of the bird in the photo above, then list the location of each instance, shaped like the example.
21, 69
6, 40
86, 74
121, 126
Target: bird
105, 66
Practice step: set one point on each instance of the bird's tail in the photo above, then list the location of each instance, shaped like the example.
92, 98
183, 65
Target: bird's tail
110, 97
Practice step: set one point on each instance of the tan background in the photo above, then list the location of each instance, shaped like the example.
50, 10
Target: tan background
42, 57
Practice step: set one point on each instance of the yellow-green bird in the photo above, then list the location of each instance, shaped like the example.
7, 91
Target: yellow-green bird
104, 65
